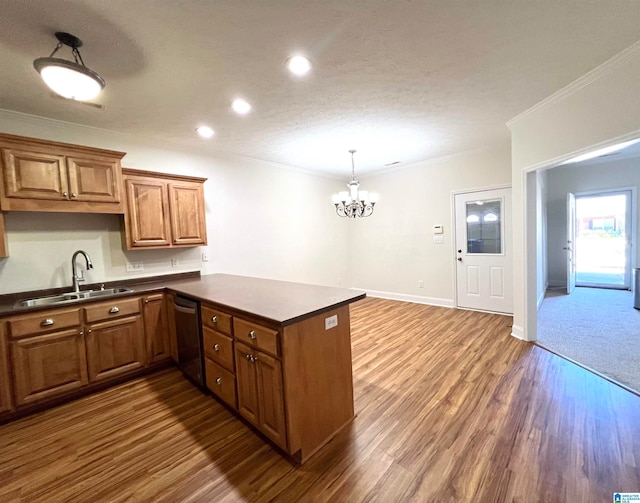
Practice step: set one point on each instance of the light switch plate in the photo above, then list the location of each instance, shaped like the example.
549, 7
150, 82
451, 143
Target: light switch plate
134, 266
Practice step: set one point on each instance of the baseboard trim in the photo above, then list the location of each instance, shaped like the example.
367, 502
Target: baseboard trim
518, 332
404, 297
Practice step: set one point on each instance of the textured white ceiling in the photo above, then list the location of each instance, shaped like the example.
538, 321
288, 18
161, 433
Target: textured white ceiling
397, 80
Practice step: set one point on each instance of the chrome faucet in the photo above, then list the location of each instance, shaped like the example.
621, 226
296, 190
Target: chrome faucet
77, 279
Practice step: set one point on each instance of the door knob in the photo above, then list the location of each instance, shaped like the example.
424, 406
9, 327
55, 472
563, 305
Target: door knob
459, 251
459, 259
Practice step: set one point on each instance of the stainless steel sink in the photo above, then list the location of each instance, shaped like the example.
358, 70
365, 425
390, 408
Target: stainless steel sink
73, 297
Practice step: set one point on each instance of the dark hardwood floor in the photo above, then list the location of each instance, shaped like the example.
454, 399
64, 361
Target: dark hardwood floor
450, 408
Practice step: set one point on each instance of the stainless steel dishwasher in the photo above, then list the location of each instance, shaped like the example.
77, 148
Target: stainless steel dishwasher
187, 316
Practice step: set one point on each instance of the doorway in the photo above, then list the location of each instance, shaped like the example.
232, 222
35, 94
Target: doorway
483, 250
603, 239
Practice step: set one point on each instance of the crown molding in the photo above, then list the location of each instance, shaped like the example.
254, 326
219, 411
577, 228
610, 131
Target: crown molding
578, 84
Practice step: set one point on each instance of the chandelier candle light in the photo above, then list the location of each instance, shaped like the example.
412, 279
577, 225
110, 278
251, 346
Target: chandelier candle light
352, 203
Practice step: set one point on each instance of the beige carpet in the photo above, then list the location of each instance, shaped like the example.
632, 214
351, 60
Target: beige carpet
596, 327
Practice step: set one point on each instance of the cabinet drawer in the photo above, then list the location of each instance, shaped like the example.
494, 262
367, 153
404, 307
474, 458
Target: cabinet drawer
218, 347
112, 309
256, 335
219, 321
221, 382
43, 321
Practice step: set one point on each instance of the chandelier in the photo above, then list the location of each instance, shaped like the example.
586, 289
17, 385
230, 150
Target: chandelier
69, 79
354, 203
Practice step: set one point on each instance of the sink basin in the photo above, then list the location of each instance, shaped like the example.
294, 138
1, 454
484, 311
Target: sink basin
73, 297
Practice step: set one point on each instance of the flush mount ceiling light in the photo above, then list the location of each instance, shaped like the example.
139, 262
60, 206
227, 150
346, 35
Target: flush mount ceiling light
69, 79
352, 203
241, 106
205, 131
299, 65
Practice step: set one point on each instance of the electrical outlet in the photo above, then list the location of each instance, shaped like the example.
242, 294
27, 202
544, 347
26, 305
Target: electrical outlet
134, 266
420, 283
330, 322
175, 262
205, 256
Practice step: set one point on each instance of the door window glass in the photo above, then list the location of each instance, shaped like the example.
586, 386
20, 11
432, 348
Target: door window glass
484, 226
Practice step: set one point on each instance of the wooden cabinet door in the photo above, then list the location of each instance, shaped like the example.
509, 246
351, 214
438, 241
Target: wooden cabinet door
247, 383
48, 365
94, 179
115, 347
173, 335
6, 402
270, 398
156, 328
34, 175
148, 213
4, 249
186, 201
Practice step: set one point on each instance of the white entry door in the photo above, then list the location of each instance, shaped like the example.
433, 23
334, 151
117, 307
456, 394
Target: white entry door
484, 273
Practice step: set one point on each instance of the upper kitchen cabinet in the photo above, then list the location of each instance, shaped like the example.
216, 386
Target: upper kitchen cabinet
163, 211
40, 175
4, 249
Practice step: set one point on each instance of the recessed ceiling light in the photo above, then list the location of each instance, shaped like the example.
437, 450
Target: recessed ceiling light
241, 106
205, 131
299, 65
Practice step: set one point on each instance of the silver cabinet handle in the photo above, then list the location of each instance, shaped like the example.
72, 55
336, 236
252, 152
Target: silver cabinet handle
65, 194
252, 335
251, 358
114, 310
219, 381
214, 319
46, 323
216, 347
74, 195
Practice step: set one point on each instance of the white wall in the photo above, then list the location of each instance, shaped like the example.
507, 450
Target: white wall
601, 108
262, 220
393, 250
575, 178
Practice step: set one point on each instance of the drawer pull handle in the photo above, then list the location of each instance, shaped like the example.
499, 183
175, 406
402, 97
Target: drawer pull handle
216, 347
214, 319
252, 335
46, 323
74, 194
219, 381
114, 310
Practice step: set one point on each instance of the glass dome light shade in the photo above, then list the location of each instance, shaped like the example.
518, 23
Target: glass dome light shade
69, 79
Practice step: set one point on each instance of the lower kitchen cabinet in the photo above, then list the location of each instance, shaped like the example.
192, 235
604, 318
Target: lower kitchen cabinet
220, 382
115, 347
156, 328
48, 365
173, 335
260, 392
6, 401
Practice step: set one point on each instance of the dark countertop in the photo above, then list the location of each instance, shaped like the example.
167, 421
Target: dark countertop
278, 301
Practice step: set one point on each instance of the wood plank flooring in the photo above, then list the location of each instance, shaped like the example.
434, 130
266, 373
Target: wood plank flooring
450, 408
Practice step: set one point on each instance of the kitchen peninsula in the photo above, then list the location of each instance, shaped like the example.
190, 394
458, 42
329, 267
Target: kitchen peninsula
277, 353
